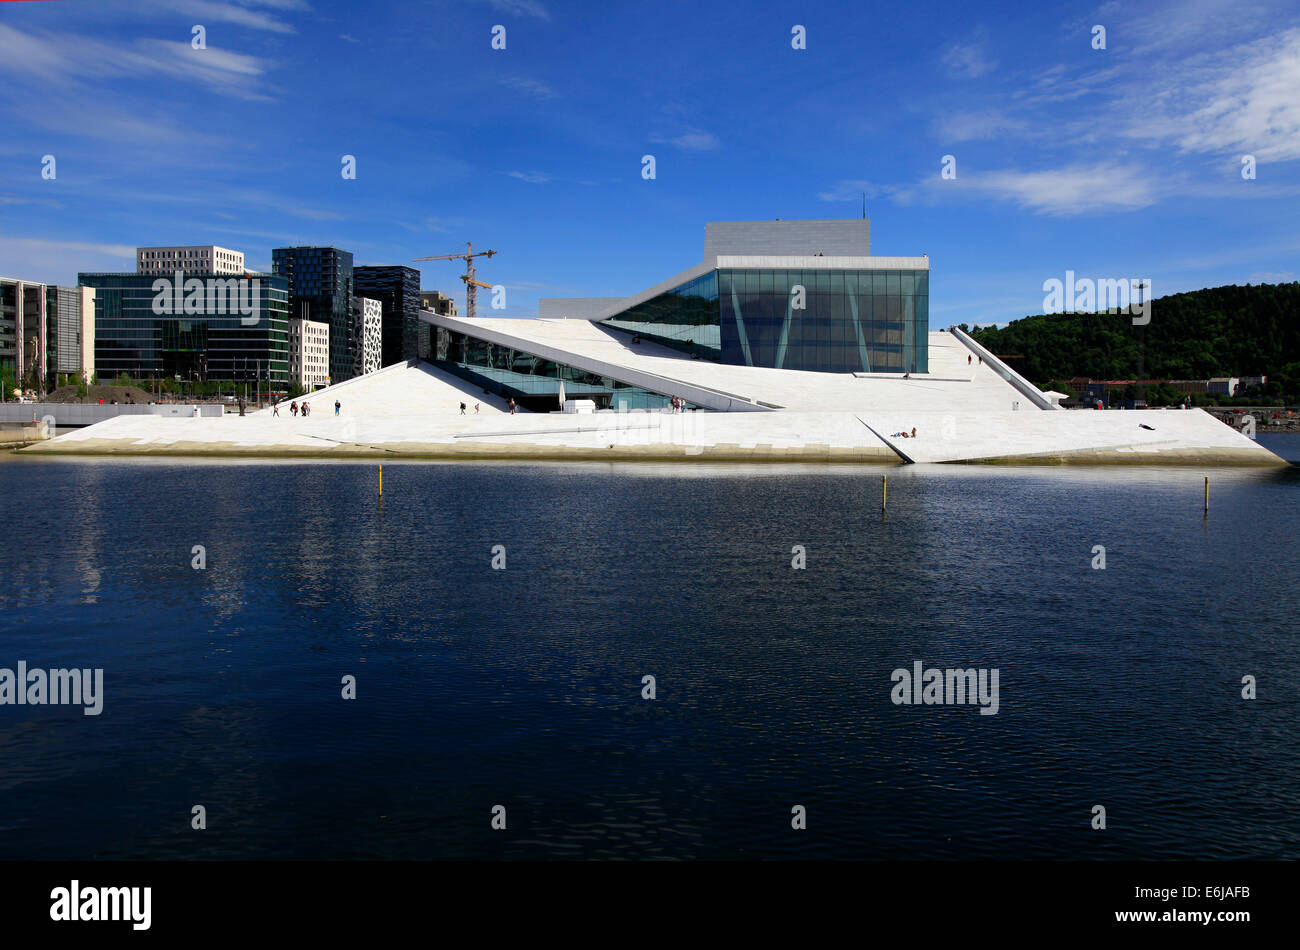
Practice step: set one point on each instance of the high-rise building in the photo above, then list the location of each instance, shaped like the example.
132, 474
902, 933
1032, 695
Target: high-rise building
398, 288
309, 353
438, 302
367, 322
194, 259
203, 329
45, 330
320, 283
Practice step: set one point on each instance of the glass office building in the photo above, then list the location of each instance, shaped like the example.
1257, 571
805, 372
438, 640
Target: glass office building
320, 289
213, 342
533, 381
397, 288
825, 319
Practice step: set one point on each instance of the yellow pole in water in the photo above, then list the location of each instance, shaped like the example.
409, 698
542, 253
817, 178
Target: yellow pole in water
381, 479
1207, 494
884, 492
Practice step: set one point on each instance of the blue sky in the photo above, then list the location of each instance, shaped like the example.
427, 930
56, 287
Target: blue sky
1122, 162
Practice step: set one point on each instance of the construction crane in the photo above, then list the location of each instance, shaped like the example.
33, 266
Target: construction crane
471, 284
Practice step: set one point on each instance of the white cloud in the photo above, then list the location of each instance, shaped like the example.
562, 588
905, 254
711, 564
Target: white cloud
696, 141
58, 262
530, 8
65, 59
535, 178
972, 126
690, 140
532, 87
969, 60
1251, 106
1075, 189
853, 190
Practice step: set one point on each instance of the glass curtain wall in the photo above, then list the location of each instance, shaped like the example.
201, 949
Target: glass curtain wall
850, 321
685, 318
532, 381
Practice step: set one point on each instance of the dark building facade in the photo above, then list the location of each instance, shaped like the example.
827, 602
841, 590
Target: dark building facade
211, 328
827, 319
320, 282
533, 381
397, 288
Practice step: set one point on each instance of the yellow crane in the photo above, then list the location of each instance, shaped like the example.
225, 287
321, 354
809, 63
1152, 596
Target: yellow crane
468, 277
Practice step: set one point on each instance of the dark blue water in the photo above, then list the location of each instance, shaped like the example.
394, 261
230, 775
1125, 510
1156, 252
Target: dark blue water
522, 687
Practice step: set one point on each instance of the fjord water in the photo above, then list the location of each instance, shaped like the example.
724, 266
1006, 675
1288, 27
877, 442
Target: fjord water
477, 687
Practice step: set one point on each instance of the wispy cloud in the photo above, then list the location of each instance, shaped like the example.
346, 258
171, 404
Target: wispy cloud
1248, 105
690, 140
535, 178
1075, 189
51, 261
967, 60
243, 13
1070, 190
62, 60
531, 8
531, 87
976, 125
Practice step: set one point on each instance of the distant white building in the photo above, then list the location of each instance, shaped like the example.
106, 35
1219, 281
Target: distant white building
367, 345
1224, 385
309, 353
197, 259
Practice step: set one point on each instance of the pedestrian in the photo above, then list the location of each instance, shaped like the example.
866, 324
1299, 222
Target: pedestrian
476, 407
336, 407
462, 409
512, 405
304, 410
293, 409
967, 359
275, 408
981, 361
914, 432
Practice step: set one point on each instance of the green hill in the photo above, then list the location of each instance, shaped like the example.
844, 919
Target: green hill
1219, 331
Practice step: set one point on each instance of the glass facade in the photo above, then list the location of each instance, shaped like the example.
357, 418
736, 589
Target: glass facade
532, 381
320, 288
397, 287
685, 318
207, 346
850, 320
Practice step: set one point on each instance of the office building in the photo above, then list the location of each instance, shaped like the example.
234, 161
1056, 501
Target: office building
192, 259
45, 331
397, 288
206, 329
367, 324
438, 302
309, 353
320, 282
